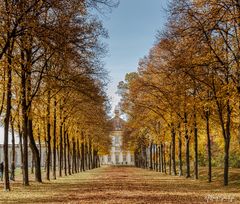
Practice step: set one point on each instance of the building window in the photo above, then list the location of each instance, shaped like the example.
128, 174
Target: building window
116, 139
124, 157
132, 158
117, 158
109, 158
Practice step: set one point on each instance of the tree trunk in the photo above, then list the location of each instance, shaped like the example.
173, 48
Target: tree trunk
164, 158
36, 155
48, 137
32, 165
24, 121
159, 158
69, 156
173, 147
86, 155
60, 140
82, 153
151, 159
6, 124
195, 146
46, 153
54, 137
187, 140
187, 158
65, 152
13, 153
74, 170
90, 154
226, 160
20, 144
180, 152
40, 146
170, 159
227, 145
209, 147
153, 156
78, 156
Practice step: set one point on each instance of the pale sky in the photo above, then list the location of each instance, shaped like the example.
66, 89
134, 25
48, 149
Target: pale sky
132, 28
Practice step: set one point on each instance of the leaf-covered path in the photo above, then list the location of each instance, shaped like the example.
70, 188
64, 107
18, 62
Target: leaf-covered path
122, 185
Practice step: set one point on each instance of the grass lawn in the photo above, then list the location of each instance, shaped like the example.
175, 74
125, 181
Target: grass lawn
126, 185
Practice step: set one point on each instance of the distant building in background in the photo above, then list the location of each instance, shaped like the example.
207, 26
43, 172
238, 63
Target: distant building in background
18, 155
117, 155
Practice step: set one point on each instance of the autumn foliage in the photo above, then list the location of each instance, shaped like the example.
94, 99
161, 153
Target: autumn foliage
53, 84
183, 102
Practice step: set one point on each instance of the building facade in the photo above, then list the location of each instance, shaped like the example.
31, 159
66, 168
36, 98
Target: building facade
117, 156
18, 155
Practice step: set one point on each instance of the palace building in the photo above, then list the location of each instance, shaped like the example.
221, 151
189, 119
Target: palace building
117, 156
18, 155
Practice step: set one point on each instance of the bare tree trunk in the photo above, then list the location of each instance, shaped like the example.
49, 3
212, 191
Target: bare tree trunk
89, 153
227, 145
65, 152
46, 153
13, 152
78, 156
82, 153
86, 155
24, 121
151, 161
187, 140
32, 165
74, 169
48, 137
6, 124
60, 142
69, 156
159, 159
164, 158
20, 144
173, 148
170, 159
54, 137
226, 160
180, 152
40, 146
36, 156
209, 146
195, 145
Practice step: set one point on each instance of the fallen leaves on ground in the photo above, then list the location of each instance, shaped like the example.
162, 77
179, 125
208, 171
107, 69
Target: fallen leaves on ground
122, 185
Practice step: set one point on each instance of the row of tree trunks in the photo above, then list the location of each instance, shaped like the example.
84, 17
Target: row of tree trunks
156, 157
157, 154
78, 157
75, 156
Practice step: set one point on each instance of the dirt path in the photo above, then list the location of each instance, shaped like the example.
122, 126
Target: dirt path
122, 185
